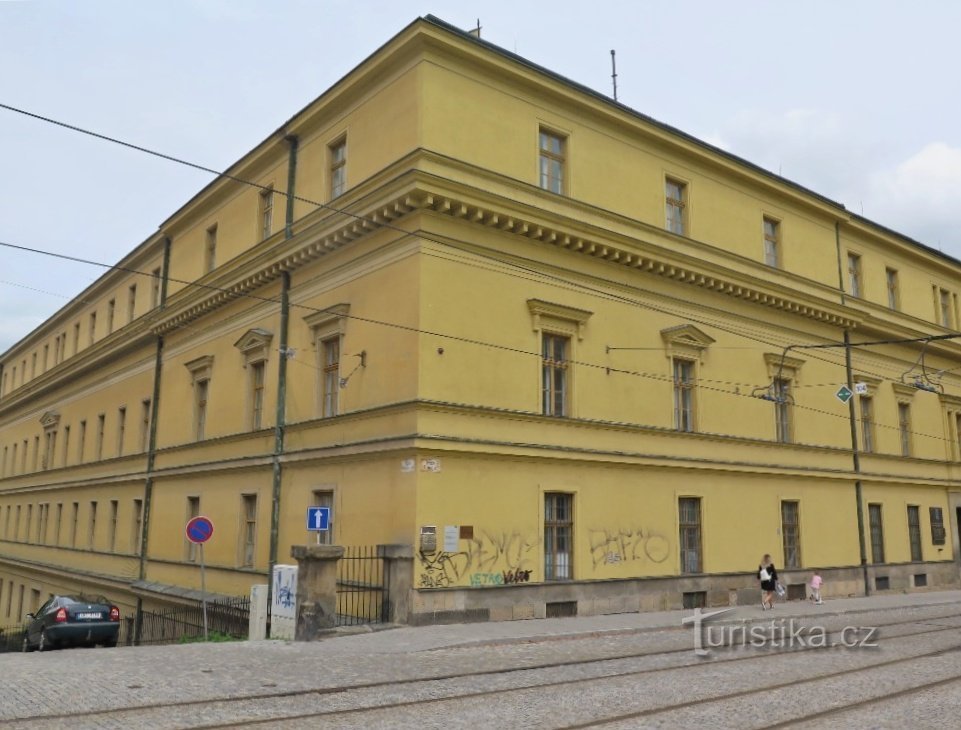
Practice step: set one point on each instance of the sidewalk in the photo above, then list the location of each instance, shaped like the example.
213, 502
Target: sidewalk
425, 638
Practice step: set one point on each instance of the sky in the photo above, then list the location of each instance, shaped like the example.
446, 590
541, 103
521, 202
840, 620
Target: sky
855, 100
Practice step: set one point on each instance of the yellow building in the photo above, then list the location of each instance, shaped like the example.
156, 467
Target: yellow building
579, 360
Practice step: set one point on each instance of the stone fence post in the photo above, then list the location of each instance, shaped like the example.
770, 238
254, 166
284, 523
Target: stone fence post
398, 580
316, 589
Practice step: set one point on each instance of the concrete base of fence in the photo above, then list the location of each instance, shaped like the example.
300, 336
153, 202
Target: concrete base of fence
398, 580
316, 589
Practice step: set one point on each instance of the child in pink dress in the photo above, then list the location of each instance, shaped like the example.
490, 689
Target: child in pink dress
815, 585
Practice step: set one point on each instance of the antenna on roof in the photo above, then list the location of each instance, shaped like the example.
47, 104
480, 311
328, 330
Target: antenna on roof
475, 31
614, 74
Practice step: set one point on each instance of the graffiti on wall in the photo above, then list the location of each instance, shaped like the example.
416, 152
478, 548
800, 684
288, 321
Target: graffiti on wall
610, 546
489, 559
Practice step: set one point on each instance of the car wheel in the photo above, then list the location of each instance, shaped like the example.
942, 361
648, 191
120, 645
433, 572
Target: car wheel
44, 643
26, 642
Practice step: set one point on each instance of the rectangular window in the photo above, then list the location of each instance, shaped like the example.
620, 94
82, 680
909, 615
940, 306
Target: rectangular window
201, 389
938, 533
27, 528
16, 525
338, 167
92, 525
782, 410
112, 535
689, 520
50, 445
325, 498
914, 532
249, 530
44, 521
257, 395
791, 534
145, 425
101, 425
894, 295
121, 429
193, 510
93, 327
111, 310
552, 161
772, 230
58, 521
74, 523
210, 250
331, 374
675, 203
155, 288
904, 428
46, 356
944, 307
558, 536
66, 445
33, 365
81, 441
36, 452
131, 302
13, 460
854, 274
76, 338
867, 424
137, 527
554, 384
266, 212
684, 395
23, 457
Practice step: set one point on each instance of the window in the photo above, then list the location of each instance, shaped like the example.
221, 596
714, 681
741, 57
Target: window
914, 532
131, 302
554, 374
331, 374
193, 510
675, 202
155, 288
92, 525
791, 533
854, 274
27, 528
266, 212
937, 525
248, 530
201, 392
558, 536
16, 525
111, 309
81, 440
44, 522
136, 535
684, 384
325, 498
13, 461
36, 452
23, 457
66, 445
552, 162
338, 167
33, 365
93, 327
57, 523
46, 355
74, 523
121, 429
904, 427
945, 309
867, 424
782, 410
894, 298
76, 338
689, 521
112, 535
101, 423
210, 250
772, 230
145, 424
257, 394
50, 445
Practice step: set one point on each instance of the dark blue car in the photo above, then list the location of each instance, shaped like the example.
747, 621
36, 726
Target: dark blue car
72, 621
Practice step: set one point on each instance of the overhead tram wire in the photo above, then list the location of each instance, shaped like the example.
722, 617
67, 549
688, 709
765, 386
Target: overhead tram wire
405, 233
326, 206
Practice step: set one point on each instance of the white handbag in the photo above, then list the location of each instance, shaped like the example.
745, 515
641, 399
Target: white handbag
764, 575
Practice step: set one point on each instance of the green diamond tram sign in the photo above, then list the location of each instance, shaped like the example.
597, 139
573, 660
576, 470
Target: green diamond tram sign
844, 394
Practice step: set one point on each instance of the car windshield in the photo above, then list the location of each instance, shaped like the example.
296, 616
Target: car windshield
68, 600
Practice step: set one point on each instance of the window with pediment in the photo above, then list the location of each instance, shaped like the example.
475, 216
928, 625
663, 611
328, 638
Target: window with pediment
254, 347
685, 346
559, 327
327, 329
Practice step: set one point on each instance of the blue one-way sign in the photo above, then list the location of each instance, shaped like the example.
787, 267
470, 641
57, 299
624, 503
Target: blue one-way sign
318, 518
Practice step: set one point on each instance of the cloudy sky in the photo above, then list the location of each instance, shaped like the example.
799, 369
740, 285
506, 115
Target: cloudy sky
857, 100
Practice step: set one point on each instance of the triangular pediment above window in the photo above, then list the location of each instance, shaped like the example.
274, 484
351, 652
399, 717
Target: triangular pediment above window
50, 419
254, 345
685, 338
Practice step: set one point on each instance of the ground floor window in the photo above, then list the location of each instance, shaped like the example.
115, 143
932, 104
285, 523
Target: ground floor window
689, 514
558, 535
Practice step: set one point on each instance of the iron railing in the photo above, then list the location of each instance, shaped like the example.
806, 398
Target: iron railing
226, 619
362, 596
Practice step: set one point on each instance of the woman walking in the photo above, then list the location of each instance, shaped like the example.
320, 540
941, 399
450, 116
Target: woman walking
767, 574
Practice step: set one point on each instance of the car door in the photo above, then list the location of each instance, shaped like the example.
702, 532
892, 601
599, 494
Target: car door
36, 622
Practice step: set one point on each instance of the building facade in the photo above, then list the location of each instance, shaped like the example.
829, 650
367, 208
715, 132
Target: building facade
577, 359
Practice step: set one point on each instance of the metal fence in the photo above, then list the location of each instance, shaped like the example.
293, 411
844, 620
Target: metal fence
362, 596
11, 638
226, 619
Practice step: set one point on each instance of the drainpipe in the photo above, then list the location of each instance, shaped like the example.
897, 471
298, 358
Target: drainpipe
852, 419
151, 445
280, 427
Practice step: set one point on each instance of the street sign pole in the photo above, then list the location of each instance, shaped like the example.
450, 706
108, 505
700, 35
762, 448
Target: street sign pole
203, 588
198, 531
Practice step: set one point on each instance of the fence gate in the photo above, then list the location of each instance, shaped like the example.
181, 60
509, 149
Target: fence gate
362, 596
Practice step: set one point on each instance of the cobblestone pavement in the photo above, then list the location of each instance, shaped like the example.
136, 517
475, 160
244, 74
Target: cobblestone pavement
640, 667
